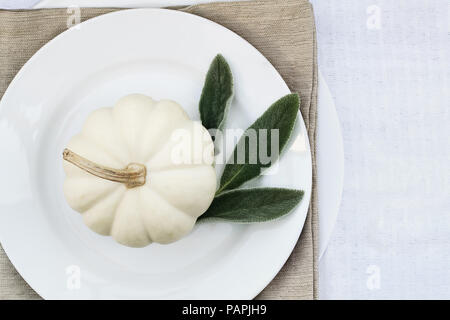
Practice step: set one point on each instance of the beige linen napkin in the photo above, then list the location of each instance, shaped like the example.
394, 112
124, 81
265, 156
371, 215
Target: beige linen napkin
283, 30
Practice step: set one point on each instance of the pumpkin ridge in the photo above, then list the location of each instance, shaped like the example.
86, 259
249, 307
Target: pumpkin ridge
159, 146
100, 197
192, 211
109, 153
113, 211
163, 142
85, 147
174, 209
149, 236
187, 125
119, 131
159, 195
126, 212
112, 125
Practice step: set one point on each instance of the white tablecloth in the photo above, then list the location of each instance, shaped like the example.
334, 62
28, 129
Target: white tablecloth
387, 64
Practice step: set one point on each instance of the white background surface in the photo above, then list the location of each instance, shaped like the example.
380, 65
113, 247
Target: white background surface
387, 64
392, 94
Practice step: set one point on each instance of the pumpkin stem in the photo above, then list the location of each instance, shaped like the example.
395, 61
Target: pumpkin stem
132, 176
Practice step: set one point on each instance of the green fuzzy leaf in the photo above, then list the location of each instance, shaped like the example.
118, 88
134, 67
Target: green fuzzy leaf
217, 94
253, 205
281, 115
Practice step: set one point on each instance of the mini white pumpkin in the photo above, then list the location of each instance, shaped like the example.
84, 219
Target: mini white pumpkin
141, 171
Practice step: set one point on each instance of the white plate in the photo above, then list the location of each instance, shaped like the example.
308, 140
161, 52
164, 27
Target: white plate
330, 180
330, 164
329, 146
164, 54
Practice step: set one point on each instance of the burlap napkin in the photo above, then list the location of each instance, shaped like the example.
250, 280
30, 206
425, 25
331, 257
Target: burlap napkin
282, 30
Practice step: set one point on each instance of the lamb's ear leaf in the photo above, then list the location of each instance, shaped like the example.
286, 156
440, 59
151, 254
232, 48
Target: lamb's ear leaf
280, 116
252, 205
217, 94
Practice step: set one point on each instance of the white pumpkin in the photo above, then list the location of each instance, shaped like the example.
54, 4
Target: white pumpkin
141, 171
